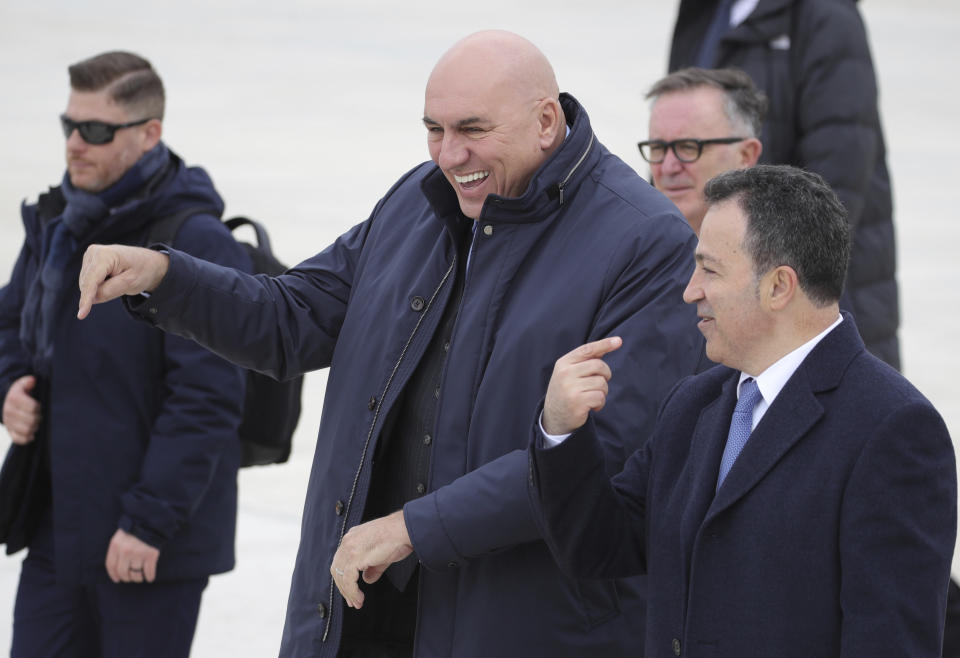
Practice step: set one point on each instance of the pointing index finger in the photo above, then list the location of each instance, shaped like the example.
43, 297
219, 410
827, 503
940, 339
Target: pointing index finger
598, 348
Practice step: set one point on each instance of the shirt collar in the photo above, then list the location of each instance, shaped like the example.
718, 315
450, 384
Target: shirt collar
772, 380
740, 10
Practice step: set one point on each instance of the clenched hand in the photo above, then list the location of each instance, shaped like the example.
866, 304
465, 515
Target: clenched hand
130, 560
21, 412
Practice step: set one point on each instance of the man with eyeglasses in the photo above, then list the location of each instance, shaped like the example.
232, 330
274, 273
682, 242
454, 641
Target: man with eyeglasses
702, 123
812, 59
121, 479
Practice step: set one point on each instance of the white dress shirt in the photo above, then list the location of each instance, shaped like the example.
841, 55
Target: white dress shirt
772, 380
740, 9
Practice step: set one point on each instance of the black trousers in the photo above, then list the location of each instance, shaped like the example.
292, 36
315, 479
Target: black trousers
126, 620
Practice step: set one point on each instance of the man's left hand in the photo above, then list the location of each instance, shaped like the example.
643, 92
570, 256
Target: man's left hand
130, 560
369, 549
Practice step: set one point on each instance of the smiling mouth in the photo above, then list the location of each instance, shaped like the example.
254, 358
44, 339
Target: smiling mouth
472, 179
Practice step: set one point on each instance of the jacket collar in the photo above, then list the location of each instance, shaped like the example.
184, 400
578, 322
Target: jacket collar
170, 189
554, 184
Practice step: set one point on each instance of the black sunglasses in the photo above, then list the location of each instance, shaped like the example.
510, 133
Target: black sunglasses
686, 150
95, 132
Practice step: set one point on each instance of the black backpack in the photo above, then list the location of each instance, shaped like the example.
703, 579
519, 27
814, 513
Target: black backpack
271, 408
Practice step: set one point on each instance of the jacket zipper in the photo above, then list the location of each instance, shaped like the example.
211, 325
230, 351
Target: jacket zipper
376, 415
575, 167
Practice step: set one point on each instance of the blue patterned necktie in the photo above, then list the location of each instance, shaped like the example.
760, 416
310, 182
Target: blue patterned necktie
740, 426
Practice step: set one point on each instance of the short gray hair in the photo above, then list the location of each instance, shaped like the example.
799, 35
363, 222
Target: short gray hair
745, 106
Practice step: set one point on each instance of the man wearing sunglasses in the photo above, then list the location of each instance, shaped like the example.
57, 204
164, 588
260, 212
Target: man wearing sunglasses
702, 123
125, 443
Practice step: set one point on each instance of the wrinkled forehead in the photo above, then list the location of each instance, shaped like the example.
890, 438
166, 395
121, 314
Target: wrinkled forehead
451, 99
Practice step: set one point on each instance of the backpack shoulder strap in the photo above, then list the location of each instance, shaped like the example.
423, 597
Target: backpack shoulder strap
263, 240
165, 229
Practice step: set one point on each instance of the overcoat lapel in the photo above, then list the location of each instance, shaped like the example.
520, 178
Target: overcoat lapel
788, 420
790, 417
706, 447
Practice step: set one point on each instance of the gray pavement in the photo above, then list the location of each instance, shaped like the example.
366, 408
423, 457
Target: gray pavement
305, 113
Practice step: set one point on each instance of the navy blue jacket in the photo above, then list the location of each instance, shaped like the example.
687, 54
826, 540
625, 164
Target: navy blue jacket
812, 59
831, 536
588, 251
142, 426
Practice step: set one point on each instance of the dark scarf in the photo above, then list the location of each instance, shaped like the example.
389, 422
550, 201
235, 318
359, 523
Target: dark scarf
62, 238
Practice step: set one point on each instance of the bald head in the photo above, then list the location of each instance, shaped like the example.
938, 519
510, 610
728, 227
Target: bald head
493, 116
498, 58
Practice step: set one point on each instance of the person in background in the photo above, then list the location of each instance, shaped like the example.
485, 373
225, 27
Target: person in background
703, 122
812, 60
134, 433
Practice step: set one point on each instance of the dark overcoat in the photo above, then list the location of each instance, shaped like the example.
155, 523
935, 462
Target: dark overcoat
831, 536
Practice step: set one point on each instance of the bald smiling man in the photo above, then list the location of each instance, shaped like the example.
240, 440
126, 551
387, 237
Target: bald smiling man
441, 317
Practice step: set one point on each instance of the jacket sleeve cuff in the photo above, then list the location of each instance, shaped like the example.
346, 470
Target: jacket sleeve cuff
177, 283
555, 470
140, 531
434, 548
480, 512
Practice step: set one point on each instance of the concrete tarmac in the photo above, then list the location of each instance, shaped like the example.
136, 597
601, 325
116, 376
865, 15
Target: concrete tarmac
305, 112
